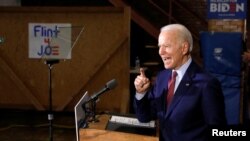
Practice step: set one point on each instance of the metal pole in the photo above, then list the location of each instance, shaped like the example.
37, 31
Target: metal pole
50, 114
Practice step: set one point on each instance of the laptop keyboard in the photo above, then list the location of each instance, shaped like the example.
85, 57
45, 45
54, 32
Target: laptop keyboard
132, 121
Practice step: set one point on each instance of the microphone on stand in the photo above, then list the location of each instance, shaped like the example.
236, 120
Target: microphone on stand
109, 86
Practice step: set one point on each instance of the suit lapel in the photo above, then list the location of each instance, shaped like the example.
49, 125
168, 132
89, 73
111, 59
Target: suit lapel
165, 88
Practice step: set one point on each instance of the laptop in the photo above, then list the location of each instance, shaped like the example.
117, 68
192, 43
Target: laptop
130, 124
80, 113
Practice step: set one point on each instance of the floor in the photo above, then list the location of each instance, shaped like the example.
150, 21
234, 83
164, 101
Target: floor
19, 125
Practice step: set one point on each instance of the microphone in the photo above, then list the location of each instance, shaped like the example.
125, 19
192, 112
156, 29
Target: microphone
109, 85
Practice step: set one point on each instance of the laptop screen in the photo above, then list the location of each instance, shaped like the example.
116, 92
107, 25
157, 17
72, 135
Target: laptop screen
80, 113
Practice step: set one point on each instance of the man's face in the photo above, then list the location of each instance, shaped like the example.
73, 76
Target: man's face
171, 49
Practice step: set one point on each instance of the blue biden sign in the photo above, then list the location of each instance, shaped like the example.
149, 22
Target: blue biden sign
227, 9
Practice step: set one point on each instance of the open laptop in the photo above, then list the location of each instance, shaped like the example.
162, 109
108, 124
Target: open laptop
80, 113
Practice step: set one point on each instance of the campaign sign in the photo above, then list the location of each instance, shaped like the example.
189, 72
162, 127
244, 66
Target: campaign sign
226, 9
50, 41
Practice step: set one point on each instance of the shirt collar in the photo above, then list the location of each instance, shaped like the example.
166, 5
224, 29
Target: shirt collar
181, 71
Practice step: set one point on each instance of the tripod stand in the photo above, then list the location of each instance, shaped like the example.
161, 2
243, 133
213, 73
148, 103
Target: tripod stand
50, 64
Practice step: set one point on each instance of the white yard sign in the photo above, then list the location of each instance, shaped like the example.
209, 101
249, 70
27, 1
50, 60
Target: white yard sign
50, 41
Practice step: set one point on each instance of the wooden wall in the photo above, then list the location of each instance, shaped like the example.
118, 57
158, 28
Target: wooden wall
101, 54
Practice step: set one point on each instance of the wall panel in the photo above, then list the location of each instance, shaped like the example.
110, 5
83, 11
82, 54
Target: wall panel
100, 54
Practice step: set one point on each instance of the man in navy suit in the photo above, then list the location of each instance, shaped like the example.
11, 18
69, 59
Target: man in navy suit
198, 102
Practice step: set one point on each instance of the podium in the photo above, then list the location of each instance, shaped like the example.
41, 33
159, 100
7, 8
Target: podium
105, 135
96, 132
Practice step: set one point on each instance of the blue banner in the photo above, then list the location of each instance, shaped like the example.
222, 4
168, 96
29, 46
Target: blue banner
226, 9
221, 52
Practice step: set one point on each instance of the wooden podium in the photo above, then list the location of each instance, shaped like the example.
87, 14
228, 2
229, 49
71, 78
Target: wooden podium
96, 132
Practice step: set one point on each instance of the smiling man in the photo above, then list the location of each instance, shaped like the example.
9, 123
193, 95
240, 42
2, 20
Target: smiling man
190, 105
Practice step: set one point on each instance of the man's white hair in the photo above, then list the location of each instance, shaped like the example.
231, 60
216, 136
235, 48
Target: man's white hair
182, 32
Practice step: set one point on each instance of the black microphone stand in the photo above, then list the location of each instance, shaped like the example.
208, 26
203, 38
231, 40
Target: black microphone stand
50, 64
90, 112
93, 107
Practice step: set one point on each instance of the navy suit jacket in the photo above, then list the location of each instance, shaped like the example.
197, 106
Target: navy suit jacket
197, 105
